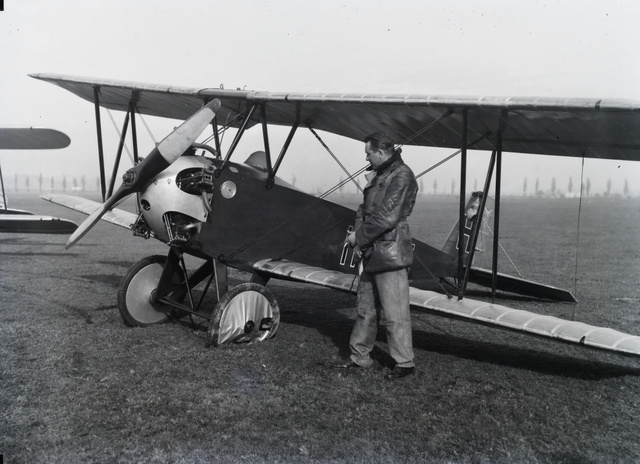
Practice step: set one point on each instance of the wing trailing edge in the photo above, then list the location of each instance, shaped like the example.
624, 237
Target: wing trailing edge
470, 310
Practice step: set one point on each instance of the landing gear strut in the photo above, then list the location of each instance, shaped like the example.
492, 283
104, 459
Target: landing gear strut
156, 288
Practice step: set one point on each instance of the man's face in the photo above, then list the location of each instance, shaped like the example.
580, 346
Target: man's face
472, 209
374, 157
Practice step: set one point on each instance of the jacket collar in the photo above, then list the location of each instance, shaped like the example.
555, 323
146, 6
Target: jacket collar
387, 164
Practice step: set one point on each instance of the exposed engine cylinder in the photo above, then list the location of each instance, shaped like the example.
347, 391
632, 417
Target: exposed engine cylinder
176, 202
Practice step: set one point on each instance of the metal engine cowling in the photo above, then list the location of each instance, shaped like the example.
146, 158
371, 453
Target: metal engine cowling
176, 202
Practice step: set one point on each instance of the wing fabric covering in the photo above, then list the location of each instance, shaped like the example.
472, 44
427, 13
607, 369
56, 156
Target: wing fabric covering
470, 310
589, 127
35, 224
116, 216
32, 138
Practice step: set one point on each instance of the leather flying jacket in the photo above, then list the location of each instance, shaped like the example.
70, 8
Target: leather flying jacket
382, 230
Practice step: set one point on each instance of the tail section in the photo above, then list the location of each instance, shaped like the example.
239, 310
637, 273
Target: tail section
470, 217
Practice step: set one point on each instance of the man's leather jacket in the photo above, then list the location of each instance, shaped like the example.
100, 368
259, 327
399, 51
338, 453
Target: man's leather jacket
382, 230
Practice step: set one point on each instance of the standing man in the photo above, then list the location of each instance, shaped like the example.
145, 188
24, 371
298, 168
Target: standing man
381, 238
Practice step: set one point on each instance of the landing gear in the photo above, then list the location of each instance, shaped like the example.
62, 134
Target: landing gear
136, 291
154, 289
247, 313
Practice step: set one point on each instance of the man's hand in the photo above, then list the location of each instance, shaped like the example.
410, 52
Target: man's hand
351, 237
357, 252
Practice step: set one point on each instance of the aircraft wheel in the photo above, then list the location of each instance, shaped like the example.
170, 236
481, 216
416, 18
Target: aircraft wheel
247, 313
135, 292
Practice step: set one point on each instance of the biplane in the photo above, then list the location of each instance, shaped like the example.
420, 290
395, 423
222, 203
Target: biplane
18, 220
240, 214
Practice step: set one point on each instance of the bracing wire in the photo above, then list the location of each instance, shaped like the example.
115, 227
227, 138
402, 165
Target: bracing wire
503, 250
335, 158
416, 134
120, 135
223, 130
148, 129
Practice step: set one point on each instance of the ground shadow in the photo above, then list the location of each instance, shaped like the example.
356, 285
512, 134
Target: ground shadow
319, 310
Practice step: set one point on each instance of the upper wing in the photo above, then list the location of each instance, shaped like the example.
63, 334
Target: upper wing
589, 127
469, 309
32, 138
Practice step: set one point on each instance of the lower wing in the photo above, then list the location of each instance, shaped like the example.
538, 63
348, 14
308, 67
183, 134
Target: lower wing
115, 216
468, 309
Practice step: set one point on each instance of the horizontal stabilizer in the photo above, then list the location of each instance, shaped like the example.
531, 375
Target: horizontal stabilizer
115, 216
470, 310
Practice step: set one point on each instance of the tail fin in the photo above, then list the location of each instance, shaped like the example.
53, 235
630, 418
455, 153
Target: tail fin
452, 244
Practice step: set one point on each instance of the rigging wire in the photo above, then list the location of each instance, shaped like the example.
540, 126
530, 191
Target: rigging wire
438, 164
222, 131
335, 158
426, 128
456, 153
120, 135
503, 250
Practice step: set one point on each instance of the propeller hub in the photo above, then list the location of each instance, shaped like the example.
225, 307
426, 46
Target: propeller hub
129, 178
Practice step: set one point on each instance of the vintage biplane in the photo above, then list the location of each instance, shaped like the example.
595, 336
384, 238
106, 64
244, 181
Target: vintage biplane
242, 215
18, 220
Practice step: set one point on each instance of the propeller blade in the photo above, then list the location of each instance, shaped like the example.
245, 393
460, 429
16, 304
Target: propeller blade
161, 157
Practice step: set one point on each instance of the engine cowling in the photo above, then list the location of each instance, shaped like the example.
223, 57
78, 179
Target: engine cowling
177, 201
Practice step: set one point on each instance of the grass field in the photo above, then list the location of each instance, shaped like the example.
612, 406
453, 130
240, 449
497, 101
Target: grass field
78, 386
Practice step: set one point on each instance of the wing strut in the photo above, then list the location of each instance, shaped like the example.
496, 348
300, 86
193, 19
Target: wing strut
236, 139
473, 240
285, 148
116, 163
496, 221
134, 132
267, 148
130, 116
273, 169
96, 103
463, 196
216, 136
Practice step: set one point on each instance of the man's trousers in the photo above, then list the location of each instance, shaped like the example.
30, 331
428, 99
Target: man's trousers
387, 292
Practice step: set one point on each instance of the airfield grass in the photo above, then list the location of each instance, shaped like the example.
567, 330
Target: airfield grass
78, 386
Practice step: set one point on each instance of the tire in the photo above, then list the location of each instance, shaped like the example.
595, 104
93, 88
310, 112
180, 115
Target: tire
247, 313
135, 292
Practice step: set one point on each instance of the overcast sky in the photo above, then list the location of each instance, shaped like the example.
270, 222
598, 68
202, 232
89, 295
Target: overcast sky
564, 48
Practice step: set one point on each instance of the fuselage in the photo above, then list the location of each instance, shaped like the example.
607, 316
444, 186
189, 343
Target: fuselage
249, 222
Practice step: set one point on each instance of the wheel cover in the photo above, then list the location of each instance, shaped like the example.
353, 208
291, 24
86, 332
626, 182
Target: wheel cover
139, 291
247, 313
